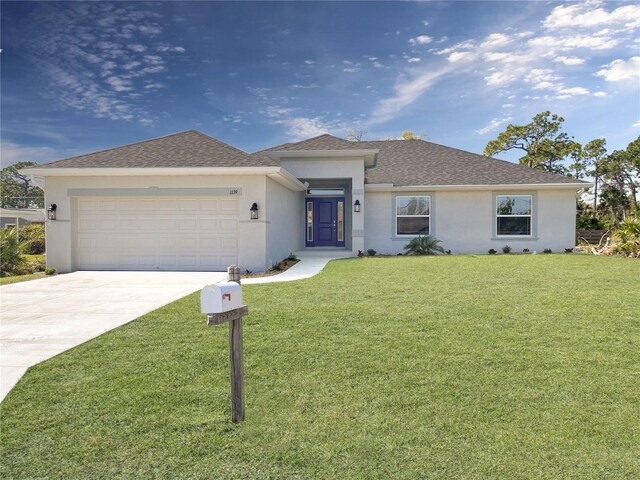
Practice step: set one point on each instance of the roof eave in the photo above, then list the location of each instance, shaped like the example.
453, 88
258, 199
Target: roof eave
389, 187
144, 171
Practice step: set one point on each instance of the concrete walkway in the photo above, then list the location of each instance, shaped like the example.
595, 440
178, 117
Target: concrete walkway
305, 268
42, 318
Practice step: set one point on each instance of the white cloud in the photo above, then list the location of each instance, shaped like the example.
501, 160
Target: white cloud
94, 56
508, 105
574, 42
493, 125
421, 40
466, 45
500, 78
413, 59
406, 92
573, 91
274, 111
620, 70
425, 23
351, 70
504, 57
120, 84
636, 125
260, 92
569, 60
378, 65
309, 62
600, 94
590, 14
538, 75
304, 87
495, 40
460, 56
304, 127
154, 86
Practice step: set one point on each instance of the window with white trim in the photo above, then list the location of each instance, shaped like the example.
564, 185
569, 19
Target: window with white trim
413, 215
513, 214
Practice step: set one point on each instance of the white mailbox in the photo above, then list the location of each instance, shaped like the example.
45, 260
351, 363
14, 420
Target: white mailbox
221, 297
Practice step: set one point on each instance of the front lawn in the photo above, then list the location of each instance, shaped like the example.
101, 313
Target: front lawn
438, 367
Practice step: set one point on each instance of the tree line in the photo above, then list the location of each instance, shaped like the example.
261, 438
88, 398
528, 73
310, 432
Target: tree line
615, 175
17, 190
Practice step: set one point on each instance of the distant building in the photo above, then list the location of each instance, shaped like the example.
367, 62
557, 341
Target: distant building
21, 217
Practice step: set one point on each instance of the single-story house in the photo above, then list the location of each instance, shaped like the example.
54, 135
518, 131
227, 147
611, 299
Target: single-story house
20, 217
190, 202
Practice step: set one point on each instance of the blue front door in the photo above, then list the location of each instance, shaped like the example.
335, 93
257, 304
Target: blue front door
325, 222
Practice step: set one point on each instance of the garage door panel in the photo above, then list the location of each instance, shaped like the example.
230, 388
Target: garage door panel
208, 205
167, 260
228, 206
188, 224
156, 233
188, 205
147, 260
187, 261
209, 223
189, 244
229, 259
127, 260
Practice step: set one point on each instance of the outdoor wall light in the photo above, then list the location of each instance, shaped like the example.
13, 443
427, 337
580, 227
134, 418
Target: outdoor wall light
51, 211
356, 206
254, 211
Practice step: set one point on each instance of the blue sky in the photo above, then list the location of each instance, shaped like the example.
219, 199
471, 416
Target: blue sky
79, 77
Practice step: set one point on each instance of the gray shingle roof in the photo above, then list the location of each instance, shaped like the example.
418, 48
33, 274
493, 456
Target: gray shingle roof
399, 162
33, 215
184, 149
417, 162
321, 142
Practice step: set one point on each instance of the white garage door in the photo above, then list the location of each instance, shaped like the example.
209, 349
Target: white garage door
156, 233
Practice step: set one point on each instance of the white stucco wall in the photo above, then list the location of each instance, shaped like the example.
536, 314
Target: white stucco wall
465, 221
60, 234
337, 168
284, 214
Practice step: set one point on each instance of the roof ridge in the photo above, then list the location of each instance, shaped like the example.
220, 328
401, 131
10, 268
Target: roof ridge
220, 142
271, 148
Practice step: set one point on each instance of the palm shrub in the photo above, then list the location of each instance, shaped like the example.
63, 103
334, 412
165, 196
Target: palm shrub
10, 257
423, 245
627, 237
32, 239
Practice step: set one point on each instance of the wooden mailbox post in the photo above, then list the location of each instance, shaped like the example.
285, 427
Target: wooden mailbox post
234, 316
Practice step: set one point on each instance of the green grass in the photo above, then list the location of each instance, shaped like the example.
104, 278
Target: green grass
458, 367
20, 278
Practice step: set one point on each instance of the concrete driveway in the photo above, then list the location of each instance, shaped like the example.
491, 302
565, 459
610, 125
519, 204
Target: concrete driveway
42, 318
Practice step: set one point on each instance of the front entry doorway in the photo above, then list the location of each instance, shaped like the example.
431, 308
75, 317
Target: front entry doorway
325, 222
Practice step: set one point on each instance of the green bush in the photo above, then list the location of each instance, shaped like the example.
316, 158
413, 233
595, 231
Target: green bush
423, 245
10, 257
371, 252
627, 237
32, 239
